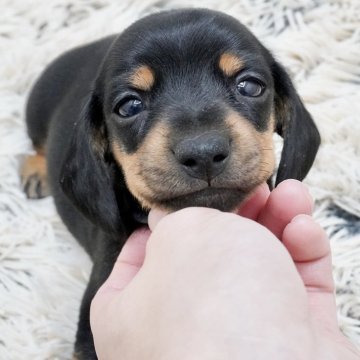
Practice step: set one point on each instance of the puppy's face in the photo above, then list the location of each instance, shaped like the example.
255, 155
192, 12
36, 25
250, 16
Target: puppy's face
190, 111
184, 105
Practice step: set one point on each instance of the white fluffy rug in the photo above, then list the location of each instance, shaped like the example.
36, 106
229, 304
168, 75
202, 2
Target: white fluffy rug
42, 269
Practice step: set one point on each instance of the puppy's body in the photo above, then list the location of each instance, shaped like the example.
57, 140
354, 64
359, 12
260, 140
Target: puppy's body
177, 111
53, 109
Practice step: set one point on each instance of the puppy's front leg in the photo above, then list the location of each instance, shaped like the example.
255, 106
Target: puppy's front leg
103, 263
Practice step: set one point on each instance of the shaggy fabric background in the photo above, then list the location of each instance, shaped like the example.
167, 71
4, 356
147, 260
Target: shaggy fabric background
42, 269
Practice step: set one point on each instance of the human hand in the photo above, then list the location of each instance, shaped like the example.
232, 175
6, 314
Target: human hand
216, 285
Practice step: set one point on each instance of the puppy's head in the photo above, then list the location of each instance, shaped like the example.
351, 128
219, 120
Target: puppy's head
185, 106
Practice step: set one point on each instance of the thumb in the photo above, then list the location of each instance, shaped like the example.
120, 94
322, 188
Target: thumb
128, 263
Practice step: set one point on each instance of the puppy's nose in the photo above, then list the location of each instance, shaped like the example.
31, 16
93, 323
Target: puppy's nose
203, 157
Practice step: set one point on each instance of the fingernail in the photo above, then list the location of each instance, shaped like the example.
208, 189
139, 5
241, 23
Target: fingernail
301, 219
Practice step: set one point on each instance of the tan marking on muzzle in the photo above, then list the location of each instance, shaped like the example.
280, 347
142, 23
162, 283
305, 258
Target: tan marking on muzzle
152, 153
252, 147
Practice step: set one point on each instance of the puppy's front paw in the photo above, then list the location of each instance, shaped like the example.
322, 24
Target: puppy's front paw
89, 354
34, 177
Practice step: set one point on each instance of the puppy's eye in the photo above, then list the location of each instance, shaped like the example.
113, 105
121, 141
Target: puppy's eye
250, 87
129, 106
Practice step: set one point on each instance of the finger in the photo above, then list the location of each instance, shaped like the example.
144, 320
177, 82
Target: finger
309, 247
305, 239
255, 203
125, 269
288, 199
129, 261
154, 217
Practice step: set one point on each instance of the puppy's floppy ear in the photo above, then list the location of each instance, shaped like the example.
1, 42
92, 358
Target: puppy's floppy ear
295, 125
87, 176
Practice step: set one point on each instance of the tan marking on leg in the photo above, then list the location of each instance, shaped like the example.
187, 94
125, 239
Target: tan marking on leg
143, 78
77, 355
230, 64
34, 177
40, 150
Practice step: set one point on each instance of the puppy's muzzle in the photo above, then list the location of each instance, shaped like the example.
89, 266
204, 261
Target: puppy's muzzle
203, 157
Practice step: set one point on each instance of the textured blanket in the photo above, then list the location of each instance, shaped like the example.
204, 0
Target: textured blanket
43, 271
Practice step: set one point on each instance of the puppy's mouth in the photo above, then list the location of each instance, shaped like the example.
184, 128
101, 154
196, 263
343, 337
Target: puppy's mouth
223, 199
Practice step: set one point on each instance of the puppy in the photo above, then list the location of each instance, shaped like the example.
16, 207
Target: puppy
179, 110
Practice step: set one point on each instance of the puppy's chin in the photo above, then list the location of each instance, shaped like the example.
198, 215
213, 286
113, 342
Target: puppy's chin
217, 198
223, 199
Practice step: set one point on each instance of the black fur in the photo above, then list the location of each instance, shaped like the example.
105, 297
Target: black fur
71, 113
295, 125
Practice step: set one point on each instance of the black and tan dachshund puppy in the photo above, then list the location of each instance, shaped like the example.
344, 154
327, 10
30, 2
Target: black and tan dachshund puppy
179, 110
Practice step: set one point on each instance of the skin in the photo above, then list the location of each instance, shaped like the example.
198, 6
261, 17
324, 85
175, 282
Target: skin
203, 284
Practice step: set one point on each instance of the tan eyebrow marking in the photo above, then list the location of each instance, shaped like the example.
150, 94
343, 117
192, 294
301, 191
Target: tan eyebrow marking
143, 78
230, 64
